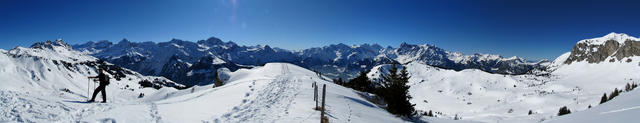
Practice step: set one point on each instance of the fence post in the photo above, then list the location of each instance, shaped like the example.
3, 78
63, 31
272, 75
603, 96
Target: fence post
315, 94
324, 93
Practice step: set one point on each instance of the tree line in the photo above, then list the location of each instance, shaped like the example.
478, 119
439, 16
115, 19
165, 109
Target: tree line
393, 89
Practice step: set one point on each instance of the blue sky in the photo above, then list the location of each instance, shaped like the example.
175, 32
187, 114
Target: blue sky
533, 29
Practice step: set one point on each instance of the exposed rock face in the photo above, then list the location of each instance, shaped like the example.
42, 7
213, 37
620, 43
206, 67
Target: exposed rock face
631, 48
614, 45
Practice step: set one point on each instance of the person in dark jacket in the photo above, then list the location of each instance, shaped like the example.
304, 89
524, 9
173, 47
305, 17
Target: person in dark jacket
104, 81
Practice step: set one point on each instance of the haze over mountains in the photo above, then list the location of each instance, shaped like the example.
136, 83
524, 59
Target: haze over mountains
171, 82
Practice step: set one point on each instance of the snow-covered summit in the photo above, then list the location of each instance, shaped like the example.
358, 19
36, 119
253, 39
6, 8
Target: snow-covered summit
612, 47
336, 60
51, 44
58, 50
619, 37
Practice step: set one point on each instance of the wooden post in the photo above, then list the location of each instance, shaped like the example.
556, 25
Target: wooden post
324, 93
315, 94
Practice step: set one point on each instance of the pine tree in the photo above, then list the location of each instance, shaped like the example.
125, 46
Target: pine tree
362, 82
627, 88
564, 110
530, 112
397, 92
604, 98
216, 80
614, 94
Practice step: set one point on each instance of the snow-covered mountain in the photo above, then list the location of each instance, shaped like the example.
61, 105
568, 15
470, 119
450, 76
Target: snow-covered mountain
47, 83
275, 92
176, 59
482, 96
52, 70
612, 47
190, 63
58, 58
435, 56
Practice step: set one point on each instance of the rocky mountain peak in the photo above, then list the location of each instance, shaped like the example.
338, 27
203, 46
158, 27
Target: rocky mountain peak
618, 37
211, 41
611, 47
51, 44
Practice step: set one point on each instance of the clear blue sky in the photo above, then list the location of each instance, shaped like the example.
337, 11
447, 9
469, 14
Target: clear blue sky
531, 29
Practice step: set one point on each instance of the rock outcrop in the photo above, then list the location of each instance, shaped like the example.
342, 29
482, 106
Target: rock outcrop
614, 46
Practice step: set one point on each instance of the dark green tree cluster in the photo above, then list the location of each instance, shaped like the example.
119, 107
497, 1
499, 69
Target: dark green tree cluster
396, 92
630, 87
604, 98
616, 92
361, 83
339, 81
564, 110
217, 82
429, 114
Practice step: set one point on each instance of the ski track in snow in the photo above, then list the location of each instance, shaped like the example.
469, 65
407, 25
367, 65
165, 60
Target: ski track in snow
620, 110
269, 104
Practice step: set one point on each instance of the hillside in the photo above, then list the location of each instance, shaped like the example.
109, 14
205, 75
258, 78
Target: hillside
276, 92
480, 96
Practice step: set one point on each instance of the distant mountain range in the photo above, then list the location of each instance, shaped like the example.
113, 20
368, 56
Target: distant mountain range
47, 81
194, 63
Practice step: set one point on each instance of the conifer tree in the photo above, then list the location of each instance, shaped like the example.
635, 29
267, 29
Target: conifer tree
216, 80
530, 112
564, 110
362, 82
614, 94
604, 98
397, 92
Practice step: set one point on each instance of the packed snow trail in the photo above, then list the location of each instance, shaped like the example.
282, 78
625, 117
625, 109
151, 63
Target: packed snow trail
270, 103
276, 92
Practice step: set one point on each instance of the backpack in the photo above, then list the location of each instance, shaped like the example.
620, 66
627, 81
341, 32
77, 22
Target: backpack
104, 80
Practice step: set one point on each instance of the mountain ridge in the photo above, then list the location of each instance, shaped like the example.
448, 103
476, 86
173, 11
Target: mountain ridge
335, 60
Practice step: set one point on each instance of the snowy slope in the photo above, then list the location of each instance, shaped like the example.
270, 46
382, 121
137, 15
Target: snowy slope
45, 83
480, 96
623, 109
276, 92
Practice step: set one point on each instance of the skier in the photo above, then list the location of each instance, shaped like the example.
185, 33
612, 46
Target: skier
104, 81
